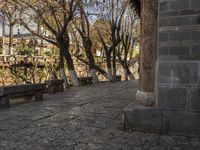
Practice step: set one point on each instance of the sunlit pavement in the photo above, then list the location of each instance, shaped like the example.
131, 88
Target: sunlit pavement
84, 118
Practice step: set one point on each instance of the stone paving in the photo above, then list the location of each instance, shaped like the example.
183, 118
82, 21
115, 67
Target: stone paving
83, 118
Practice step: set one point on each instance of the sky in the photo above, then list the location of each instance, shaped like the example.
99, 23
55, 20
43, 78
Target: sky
91, 9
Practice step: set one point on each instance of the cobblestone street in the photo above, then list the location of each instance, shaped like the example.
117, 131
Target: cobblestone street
83, 118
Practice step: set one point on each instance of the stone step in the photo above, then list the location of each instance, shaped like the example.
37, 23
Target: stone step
163, 121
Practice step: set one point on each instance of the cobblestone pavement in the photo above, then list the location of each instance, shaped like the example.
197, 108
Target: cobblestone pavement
86, 118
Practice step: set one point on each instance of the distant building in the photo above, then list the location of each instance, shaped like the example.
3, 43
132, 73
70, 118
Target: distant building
21, 34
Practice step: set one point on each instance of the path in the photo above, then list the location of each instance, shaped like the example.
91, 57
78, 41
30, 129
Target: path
83, 118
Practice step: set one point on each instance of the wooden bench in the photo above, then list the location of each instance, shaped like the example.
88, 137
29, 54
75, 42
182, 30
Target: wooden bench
85, 80
7, 92
55, 85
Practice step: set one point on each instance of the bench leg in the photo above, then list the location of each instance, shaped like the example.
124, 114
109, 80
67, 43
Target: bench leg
39, 96
90, 82
51, 89
60, 88
5, 101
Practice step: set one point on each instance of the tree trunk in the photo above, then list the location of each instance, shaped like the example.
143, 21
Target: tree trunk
126, 74
63, 43
10, 45
114, 65
70, 65
130, 75
101, 71
69, 60
62, 70
61, 62
3, 37
124, 64
126, 69
109, 67
149, 25
33, 74
88, 44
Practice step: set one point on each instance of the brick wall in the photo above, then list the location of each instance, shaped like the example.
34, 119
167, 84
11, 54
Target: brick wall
178, 80
177, 109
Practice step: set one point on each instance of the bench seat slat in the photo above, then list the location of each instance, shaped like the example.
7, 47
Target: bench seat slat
55, 82
10, 90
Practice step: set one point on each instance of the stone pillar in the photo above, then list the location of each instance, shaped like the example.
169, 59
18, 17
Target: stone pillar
177, 109
148, 51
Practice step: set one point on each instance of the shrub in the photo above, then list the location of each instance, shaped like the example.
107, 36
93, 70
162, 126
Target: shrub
1, 50
21, 50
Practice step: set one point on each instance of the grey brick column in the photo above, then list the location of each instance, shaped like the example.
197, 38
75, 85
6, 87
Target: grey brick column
177, 108
178, 80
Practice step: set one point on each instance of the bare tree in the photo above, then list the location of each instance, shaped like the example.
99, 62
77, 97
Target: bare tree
84, 31
81, 58
54, 16
128, 37
115, 15
9, 13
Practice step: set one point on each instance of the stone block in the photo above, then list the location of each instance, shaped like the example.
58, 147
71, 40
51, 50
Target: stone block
164, 6
163, 22
178, 73
169, 14
172, 97
152, 119
195, 4
179, 51
182, 123
163, 51
179, 36
195, 20
195, 35
195, 99
142, 118
163, 36
178, 21
178, 5
189, 58
196, 50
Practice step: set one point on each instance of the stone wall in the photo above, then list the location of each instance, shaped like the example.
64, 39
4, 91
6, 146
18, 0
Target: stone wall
178, 80
177, 108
